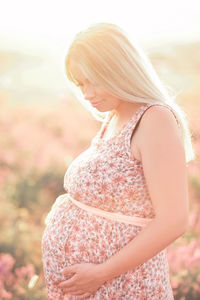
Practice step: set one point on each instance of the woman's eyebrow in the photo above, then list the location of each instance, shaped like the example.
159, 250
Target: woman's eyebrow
83, 81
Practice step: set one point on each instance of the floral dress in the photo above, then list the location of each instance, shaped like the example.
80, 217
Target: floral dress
106, 176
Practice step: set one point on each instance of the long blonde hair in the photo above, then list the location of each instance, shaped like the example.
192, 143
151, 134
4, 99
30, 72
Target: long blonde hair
107, 57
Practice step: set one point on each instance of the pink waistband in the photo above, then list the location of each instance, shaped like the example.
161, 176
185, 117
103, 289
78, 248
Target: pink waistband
112, 216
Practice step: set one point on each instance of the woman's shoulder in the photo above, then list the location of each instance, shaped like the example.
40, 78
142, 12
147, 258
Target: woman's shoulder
159, 117
164, 162
158, 127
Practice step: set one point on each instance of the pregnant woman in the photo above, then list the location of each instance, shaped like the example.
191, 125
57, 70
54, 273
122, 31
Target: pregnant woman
127, 194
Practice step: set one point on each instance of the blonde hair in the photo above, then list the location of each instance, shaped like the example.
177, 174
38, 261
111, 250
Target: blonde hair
106, 56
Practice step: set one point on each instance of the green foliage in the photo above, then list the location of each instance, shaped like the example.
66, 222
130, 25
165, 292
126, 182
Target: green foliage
32, 165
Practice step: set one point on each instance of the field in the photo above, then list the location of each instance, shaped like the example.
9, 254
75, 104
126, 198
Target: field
38, 141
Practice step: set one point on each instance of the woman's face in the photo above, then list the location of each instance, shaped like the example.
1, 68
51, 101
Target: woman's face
98, 97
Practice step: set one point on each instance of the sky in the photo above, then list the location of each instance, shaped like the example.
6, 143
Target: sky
50, 25
39, 32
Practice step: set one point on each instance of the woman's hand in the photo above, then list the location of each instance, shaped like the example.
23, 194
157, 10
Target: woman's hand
86, 279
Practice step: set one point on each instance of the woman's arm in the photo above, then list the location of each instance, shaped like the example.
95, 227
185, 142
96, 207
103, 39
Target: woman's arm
165, 171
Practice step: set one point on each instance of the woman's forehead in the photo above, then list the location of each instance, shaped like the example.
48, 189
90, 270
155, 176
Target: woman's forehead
77, 73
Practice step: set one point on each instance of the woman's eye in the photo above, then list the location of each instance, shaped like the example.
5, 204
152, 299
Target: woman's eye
79, 85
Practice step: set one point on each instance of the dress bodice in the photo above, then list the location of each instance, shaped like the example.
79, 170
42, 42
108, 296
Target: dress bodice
107, 175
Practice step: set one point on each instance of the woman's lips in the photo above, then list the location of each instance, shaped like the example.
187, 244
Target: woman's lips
96, 103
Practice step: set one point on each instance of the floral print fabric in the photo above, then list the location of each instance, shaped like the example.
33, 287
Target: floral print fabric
108, 177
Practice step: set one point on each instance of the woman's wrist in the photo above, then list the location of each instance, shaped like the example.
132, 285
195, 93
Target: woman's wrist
105, 271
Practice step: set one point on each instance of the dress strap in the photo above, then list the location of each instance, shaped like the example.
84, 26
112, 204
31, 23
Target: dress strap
105, 124
102, 129
123, 129
135, 121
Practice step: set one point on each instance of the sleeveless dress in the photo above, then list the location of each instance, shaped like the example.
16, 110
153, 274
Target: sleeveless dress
108, 177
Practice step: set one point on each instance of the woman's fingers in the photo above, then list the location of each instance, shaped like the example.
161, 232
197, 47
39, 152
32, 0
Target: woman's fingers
74, 292
84, 296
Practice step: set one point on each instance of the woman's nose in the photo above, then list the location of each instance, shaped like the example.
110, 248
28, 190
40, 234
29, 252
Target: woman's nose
89, 97
89, 94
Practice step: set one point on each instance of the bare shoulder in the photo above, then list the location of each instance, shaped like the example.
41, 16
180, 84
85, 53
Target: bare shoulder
158, 124
164, 165
159, 115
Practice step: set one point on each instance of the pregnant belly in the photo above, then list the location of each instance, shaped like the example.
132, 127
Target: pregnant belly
73, 236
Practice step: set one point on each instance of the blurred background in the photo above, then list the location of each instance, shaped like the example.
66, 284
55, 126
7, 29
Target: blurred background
40, 121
